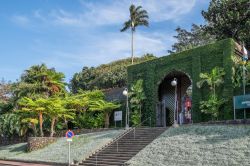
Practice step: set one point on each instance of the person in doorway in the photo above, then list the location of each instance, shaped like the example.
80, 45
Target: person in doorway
186, 108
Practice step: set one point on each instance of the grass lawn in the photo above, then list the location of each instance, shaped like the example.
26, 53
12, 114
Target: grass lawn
198, 145
81, 147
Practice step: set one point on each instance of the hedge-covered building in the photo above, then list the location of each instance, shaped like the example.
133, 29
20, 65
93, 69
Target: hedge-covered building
186, 66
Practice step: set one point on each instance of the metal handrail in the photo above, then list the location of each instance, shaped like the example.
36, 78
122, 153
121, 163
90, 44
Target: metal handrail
149, 118
110, 142
115, 140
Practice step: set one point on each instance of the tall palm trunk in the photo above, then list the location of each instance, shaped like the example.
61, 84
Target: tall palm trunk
33, 125
41, 123
52, 126
107, 120
132, 46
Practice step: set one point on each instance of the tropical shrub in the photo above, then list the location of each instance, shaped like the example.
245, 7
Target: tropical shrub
137, 97
212, 106
136, 118
105, 107
11, 124
53, 107
213, 103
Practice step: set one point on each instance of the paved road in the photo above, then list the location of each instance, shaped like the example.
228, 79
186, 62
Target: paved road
14, 163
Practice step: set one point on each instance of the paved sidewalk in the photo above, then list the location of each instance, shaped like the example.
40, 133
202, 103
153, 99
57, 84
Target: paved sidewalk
15, 163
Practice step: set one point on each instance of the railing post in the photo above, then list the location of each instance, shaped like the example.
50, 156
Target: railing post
117, 148
96, 159
134, 133
150, 122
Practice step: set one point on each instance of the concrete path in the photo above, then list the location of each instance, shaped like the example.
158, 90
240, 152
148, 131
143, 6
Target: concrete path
15, 163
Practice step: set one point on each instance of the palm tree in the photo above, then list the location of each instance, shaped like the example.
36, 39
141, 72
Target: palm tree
213, 79
138, 17
105, 107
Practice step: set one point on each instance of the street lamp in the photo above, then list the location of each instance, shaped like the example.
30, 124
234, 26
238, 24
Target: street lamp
174, 84
125, 93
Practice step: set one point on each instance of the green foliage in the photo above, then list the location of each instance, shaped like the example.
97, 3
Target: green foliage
136, 118
90, 120
187, 40
104, 76
214, 79
229, 19
6, 103
105, 107
224, 19
137, 17
11, 124
212, 106
137, 97
39, 81
192, 62
53, 107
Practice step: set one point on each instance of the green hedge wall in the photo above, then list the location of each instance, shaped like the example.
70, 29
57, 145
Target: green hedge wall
192, 62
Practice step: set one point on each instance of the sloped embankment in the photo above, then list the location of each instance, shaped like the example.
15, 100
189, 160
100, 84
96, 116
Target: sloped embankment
81, 147
198, 145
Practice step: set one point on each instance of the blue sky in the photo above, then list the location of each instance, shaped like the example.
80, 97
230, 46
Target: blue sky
70, 34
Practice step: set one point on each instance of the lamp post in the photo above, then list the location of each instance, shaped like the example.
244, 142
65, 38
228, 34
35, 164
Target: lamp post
174, 84
125, 93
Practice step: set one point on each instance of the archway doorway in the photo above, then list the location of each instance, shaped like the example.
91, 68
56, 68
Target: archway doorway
168, 94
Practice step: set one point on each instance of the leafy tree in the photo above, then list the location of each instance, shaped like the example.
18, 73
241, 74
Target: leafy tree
34, 106
89, 119
137, 96
31, 122
105, 107
53, 107
138, 17
104, 76
213, 80
6, 104
56, 109
81, 102
224, 19
5, 91
191, 39
39, 81
229, 19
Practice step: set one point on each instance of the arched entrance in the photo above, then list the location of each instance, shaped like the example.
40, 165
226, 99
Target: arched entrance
168, 94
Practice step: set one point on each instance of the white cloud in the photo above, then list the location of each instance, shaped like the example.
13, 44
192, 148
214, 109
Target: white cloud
20, 20
163, 10
109, 47
113, 12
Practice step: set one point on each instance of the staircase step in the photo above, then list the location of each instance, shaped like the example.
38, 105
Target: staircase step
128, 146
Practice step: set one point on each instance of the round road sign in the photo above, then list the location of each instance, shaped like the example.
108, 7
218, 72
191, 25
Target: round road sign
69, 134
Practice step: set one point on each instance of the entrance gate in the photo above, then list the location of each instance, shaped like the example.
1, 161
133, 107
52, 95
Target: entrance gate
166, 106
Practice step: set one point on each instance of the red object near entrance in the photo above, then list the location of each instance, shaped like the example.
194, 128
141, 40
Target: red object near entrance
188, 103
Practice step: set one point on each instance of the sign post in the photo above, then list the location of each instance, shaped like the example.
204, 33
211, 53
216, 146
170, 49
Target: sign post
241, 102
118, 117
69, 136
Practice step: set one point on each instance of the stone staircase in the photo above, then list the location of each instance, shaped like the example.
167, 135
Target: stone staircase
123, 148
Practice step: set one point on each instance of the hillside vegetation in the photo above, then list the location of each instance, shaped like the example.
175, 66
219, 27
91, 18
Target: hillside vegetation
105, 76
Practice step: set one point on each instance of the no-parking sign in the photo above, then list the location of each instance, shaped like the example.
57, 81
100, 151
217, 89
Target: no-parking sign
69, 135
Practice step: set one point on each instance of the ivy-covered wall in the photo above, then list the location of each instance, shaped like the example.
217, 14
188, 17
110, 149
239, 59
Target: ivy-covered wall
192, 62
